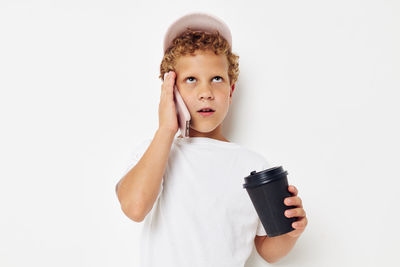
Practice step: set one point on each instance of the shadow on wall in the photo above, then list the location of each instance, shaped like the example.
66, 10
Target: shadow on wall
229, 127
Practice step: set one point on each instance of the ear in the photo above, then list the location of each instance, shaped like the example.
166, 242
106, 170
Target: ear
230, 97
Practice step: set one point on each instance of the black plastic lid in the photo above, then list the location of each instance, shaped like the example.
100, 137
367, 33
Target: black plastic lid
263, 177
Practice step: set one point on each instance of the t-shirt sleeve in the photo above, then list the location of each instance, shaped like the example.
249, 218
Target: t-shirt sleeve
260, 229
135, 156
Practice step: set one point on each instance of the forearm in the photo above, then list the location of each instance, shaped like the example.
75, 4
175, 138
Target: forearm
277, 247
138, 190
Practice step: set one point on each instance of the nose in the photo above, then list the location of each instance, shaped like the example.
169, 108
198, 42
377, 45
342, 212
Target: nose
205, 92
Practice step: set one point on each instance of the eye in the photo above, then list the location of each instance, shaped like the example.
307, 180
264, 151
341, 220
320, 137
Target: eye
188, 78
191, 78
218, 77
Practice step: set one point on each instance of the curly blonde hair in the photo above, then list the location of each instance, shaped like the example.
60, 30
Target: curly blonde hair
190, 41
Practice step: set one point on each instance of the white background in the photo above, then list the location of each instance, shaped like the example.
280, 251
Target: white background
318, 93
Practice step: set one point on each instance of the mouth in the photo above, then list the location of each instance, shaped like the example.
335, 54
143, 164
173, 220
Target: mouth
206, 112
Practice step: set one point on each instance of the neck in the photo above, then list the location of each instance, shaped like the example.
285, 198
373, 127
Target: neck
215, 134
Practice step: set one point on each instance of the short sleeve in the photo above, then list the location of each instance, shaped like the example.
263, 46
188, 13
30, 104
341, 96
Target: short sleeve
260, 229
136, 155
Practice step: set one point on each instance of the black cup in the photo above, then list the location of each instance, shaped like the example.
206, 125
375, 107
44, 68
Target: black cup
267, 190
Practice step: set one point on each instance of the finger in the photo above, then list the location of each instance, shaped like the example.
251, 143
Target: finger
171, 77
172, 73
163, 85
293, 190
297, 212
167, 86
293, 201
171, 81
300, 224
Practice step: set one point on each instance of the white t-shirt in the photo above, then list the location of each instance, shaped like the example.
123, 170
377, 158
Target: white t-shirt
202, 216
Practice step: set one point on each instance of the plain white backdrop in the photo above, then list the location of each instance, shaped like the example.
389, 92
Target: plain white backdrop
318, 93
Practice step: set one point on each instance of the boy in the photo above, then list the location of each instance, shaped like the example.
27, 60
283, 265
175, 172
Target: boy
189, 190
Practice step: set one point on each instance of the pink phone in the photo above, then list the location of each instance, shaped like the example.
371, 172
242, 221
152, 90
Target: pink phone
182, 113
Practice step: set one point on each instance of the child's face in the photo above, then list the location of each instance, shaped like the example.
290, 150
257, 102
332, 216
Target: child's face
203, 81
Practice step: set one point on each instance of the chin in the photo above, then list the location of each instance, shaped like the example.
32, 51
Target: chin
205, 128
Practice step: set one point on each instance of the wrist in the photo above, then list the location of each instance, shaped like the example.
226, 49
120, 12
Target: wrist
166, 132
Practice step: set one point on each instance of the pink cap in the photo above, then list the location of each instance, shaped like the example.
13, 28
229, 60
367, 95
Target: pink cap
198, 22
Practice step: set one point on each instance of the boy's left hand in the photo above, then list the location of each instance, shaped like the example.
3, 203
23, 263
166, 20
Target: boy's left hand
298, 212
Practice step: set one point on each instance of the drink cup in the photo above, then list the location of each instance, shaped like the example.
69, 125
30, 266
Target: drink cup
267, 190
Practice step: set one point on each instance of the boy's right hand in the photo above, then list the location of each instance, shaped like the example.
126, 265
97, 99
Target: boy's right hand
168, 119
